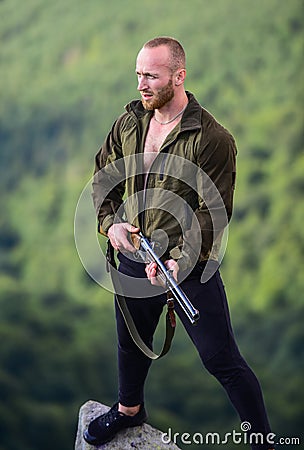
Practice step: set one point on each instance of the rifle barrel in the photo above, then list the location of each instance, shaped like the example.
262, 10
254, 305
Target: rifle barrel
191, 312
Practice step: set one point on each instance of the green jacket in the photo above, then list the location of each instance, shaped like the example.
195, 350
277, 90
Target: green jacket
188, 193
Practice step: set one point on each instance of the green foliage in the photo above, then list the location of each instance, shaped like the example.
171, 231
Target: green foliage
67, 69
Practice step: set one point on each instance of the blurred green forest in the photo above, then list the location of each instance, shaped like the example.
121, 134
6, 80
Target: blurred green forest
67, 69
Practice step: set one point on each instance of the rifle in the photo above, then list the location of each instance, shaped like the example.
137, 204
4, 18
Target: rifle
145, 249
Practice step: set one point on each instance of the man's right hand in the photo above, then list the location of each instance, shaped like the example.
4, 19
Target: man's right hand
119, 235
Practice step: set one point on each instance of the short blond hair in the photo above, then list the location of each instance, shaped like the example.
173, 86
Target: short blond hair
178, 56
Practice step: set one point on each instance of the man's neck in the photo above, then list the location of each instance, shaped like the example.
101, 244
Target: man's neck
172, 108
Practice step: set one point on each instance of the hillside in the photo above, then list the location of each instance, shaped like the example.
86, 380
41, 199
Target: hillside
67, 70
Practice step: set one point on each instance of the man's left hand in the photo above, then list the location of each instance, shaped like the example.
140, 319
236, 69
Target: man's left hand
151, 271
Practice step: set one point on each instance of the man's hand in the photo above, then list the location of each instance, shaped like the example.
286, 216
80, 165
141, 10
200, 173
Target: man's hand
151, 271
119, 235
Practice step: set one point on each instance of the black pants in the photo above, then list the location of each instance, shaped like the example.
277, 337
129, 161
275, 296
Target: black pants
212, 337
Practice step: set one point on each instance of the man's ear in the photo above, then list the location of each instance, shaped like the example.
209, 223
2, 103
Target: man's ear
180, 77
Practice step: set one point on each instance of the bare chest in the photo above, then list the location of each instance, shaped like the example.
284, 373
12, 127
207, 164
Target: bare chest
155, 138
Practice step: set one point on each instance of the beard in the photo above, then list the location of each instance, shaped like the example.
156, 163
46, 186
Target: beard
160, 97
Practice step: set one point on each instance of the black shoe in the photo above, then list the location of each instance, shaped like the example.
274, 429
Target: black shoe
105, 427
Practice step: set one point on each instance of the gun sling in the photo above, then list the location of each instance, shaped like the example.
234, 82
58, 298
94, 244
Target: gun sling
121, 301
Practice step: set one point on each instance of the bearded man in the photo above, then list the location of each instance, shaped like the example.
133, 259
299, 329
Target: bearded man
152, 187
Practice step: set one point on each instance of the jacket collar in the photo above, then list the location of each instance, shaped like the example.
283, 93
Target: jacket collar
191, 119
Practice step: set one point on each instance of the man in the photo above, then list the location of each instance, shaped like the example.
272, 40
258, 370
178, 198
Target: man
169, 123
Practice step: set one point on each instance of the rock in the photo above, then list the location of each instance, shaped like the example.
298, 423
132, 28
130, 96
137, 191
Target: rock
143, 437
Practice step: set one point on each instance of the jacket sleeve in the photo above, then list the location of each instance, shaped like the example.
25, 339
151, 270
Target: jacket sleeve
109, 180
216, 160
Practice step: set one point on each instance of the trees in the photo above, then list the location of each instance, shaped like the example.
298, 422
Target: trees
64, 82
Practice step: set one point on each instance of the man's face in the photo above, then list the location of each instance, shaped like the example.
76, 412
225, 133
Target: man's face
154, 77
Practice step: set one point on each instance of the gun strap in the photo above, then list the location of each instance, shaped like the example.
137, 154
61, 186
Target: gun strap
121, 301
